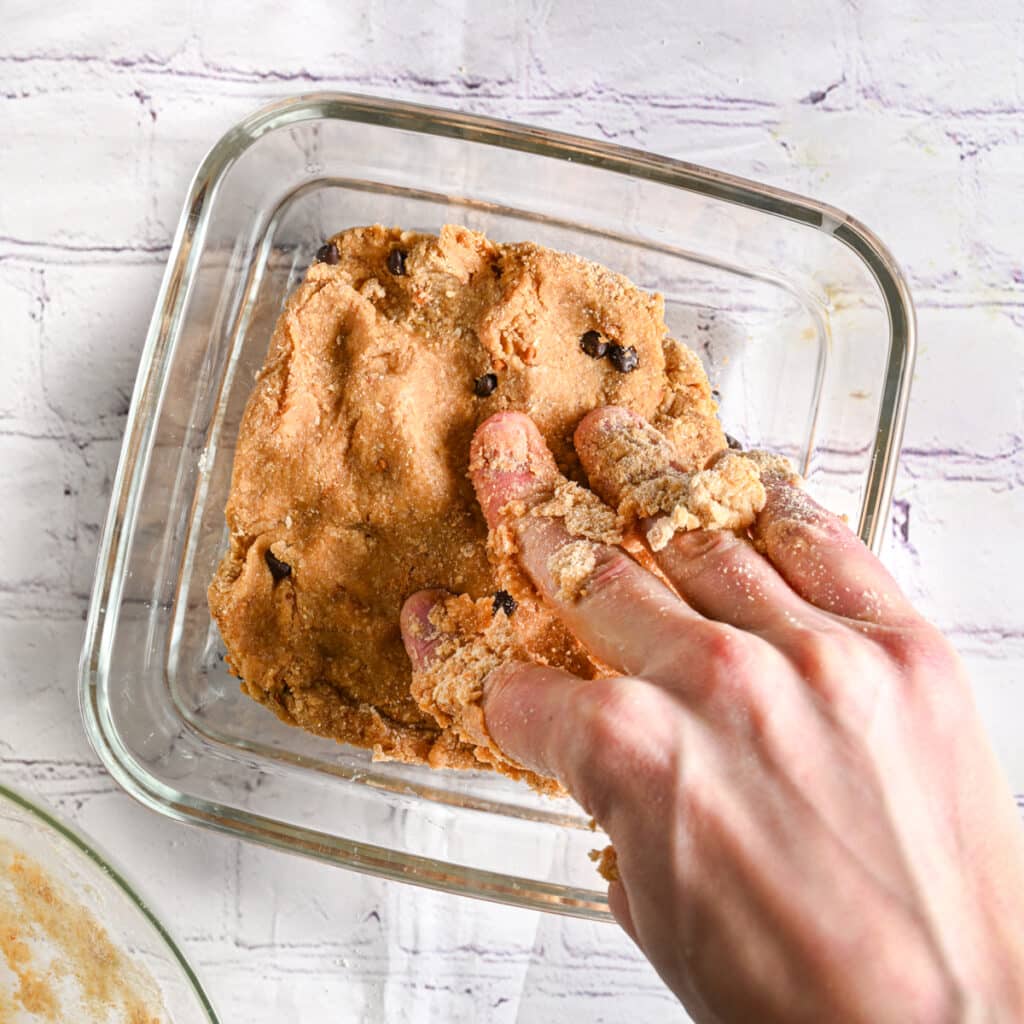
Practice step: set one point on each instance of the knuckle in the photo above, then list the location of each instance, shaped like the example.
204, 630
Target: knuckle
729, 665
823, 653
726, 650
615, 749
920, 646
929, 671
503, 678
693, 554
701, 803
611, 571
616, 713
703, 545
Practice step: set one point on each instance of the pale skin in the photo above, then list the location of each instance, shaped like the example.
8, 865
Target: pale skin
809, 820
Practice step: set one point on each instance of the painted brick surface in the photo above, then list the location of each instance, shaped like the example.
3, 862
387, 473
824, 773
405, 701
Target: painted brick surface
907, 114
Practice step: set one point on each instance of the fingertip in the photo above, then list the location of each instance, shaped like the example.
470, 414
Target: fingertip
620, 449
508, 460
823, 559
419, 634
788, 501
791, 521
599, 422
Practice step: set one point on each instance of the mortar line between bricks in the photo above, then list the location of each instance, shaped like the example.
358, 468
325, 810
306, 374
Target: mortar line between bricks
445, 86
503, 88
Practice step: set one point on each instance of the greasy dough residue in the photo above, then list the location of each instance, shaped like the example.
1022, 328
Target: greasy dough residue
349, 489
58, 960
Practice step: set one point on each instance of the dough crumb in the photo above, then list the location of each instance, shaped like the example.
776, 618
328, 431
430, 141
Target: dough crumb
772, 465
571, 566
607, 862
727, 496
639, 464
583, 512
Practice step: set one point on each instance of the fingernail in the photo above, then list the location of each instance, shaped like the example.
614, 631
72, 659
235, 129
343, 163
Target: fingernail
419, 634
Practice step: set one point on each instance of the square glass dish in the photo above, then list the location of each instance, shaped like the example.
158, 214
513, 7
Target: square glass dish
802, 318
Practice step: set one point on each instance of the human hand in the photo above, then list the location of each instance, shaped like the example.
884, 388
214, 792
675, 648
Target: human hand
809, 821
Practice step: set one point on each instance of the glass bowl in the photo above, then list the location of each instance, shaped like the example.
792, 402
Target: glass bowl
79, 944
802, 318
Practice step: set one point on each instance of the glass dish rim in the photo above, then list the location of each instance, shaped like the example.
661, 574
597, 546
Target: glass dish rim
86, 847
159, 345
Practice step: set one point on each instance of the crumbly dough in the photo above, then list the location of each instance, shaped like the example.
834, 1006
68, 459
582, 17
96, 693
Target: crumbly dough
640, 466
571, 566
474, 639
582, 513
607, 861
349, 489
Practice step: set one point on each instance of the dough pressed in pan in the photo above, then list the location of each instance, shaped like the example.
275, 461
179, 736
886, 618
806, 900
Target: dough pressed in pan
349, 489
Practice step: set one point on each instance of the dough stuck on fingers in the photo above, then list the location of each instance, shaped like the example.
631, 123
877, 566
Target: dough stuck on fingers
571, 566
607, 863
469, 640
634, 465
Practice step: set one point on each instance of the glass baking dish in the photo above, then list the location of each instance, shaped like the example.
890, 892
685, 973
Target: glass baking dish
73, 908
801, 316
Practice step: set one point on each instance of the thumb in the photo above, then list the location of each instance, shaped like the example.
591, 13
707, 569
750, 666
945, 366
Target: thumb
606, 740
525, 705
529, 710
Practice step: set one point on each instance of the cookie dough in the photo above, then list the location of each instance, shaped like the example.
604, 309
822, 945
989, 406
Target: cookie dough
349, 489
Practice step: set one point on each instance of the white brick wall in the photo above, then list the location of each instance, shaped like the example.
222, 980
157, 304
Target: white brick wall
908, 114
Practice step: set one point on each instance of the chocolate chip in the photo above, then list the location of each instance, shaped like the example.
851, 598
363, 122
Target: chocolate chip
625, 360
328, 253
736, 446
485, 385
396, 262
504, 602
594, 345
716, 394
278, 569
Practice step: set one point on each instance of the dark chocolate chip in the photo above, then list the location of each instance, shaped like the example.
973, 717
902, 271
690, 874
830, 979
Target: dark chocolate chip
328, 253
396, 262
716, 394
594, 345
278, 569
504, 602
625, 360
736, 446
485, 385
